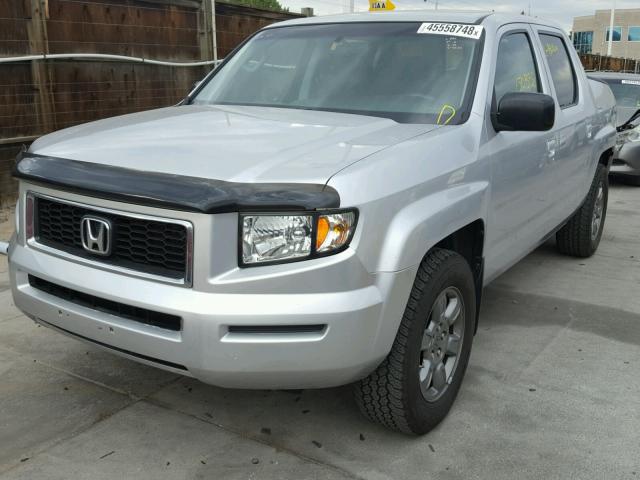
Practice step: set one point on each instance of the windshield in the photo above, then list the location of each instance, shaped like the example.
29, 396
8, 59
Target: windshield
627, 92
380, 69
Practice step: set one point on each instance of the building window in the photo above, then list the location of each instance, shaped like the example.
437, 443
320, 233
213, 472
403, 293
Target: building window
617, 34
634, 34
583, 42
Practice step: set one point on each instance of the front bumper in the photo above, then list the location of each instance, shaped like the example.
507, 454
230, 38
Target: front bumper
359, 319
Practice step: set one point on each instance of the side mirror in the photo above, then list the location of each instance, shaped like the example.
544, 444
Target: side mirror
524, 112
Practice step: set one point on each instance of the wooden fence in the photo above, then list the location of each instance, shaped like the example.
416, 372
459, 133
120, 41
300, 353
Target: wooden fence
594, 62
38, 97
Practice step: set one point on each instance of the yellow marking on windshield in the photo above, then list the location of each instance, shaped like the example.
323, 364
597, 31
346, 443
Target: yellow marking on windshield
443, 110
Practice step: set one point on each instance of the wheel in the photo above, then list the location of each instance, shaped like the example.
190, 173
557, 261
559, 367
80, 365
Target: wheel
581, 235
414, 387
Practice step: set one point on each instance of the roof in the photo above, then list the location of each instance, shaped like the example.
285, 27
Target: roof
486, 18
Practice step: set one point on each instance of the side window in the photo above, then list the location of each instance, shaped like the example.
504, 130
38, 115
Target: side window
516, 69
561, 69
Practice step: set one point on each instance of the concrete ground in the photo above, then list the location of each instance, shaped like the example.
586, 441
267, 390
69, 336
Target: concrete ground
552, 392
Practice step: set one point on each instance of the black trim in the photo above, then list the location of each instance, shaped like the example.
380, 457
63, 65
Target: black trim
479, 284
117, 349
276, 329
175, 192
162, 320
314, 227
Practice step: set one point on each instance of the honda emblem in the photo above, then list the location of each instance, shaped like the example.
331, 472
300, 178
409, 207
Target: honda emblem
96, 235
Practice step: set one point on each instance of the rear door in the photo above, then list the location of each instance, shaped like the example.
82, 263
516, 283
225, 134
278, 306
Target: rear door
571, 171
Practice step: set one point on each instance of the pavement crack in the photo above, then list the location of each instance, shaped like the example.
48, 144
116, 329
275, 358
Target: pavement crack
64, 438
255, 439
130, 395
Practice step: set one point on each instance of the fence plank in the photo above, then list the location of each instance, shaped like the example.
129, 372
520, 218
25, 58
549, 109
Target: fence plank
40, 73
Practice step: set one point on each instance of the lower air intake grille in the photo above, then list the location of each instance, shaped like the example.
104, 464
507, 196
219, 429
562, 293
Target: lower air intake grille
141, 315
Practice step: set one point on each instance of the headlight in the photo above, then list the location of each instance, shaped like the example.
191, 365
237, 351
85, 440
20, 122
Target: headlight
268, 238
631, 135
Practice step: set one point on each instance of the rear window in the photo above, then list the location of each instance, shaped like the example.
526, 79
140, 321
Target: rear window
627, 92
561, 69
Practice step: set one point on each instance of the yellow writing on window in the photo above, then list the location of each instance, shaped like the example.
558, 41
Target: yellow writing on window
526, 82
550, 49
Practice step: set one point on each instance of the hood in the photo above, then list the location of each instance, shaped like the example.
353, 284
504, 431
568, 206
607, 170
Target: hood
236, 144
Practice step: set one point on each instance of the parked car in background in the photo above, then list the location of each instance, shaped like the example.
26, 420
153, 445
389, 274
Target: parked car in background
325, 208
626, 89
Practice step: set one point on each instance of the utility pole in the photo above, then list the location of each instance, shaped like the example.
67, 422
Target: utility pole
436, 4
214, 36
352, 7
613, 14
207, 31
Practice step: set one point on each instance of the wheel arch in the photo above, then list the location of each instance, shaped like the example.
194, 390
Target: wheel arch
606, 158
446, 217
468, 242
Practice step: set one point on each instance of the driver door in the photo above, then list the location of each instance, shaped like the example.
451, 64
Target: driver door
519, 161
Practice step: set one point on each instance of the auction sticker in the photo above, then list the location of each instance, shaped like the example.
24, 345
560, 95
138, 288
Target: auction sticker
452, 29
630, 82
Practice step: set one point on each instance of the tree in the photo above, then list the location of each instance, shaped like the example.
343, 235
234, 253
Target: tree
264, 4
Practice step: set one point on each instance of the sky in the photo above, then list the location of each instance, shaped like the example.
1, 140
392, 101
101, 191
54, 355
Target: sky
562, 11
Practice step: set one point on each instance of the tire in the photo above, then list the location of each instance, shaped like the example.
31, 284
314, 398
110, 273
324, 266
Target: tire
398, 393
581, 235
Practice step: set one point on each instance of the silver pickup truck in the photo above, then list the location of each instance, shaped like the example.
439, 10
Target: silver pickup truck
324, 208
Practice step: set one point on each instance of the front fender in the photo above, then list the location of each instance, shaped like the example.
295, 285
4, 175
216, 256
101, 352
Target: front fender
421, 224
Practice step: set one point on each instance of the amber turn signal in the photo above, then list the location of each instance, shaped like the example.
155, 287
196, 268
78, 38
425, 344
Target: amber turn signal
334, 231
322, 232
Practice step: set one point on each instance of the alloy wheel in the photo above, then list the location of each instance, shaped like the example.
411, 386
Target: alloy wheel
598, 209
441, 344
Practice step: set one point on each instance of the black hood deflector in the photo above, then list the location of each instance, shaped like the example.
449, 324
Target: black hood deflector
171, 191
